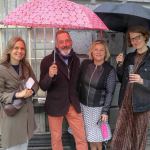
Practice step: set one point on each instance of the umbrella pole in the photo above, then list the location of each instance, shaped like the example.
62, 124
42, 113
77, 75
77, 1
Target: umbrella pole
29, 45
124, 48
101, 34
53, 45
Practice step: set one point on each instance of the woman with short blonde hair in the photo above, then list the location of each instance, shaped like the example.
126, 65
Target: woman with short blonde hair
97, 81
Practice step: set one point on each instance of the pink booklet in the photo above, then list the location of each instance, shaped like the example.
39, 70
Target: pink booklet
104, 129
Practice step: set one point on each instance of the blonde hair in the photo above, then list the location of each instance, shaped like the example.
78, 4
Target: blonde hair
99, 42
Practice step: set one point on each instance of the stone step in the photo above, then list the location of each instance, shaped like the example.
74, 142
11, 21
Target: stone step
42, 142
48, 148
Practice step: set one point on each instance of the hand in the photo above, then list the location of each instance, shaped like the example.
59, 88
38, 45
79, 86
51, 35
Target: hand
135, 78
120, 58
53, 70
21, 94
29, 93
24, 93
104, 117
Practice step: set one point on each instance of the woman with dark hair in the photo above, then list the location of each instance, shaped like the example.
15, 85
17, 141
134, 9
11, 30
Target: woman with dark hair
134, 73
97, 82
14, 74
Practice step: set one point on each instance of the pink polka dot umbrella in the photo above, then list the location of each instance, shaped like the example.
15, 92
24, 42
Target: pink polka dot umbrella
54, 14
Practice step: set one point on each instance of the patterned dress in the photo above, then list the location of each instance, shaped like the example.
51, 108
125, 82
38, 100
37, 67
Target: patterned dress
131, 127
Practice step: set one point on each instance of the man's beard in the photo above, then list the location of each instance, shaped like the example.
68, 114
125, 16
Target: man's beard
65, 51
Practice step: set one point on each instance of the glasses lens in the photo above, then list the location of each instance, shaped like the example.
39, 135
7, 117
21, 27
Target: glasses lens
136, 38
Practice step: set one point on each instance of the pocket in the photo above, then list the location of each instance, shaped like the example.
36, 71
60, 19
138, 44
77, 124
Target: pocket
101, 96
145, 72
146, 68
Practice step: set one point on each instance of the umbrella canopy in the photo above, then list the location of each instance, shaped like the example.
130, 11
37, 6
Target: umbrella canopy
54, 13
120, 16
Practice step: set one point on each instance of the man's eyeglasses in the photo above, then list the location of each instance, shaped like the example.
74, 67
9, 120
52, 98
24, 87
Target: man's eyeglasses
136, 38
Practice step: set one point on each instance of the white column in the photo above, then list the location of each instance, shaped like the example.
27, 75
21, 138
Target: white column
93, 1
29, 46
1, 46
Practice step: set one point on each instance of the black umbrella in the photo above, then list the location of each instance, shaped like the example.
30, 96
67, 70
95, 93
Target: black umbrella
120, 16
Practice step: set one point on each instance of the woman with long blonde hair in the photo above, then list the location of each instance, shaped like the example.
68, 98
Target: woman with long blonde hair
15, 71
